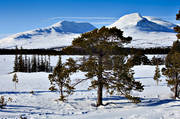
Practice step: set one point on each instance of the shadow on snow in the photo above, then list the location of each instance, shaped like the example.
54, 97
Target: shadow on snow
156, 102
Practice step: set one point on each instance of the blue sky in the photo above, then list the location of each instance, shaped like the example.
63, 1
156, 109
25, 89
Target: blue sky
21, 15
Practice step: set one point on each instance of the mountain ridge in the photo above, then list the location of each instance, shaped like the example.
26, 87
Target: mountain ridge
139, 22
64, 27
59, 34
146, 32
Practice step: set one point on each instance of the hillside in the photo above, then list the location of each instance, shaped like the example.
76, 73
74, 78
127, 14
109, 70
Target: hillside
146, 31
58, 35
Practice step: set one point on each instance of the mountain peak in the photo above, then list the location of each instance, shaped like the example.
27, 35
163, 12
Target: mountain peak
72, 27
133, 15
128, 20
137, 22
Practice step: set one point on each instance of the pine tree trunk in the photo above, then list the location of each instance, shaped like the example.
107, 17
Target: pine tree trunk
15, 85
99, 99
61, 93
100, 82
176, 87
176, 90
157, 82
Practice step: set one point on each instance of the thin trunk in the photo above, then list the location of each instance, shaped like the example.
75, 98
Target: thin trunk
157, 82
61, 93
176, 87
15, 85
100, 82
176, 90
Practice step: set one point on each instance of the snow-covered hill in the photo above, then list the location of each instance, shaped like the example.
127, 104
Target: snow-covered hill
58, 35
146, 31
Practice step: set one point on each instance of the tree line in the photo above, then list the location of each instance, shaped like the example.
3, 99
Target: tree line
80, 51
34, 64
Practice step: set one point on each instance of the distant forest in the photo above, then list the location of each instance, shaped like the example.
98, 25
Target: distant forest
78, 51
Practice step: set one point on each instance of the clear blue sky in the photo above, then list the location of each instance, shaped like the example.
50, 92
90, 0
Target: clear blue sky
21, 15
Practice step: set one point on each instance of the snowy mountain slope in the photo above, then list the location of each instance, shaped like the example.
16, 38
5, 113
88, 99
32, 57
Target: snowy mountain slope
146, 31
135, 20
160, 21
58, 35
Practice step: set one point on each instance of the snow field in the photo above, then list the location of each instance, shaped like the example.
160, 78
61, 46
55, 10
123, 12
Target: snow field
156, 102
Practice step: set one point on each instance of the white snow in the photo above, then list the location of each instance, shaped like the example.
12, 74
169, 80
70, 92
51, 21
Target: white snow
58, 35
156, 102
53, 39
160, 21
146, 31
127, 21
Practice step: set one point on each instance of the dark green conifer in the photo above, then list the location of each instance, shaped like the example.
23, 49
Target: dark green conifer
15, 80
34, 64
16, 63
20, 63
29, 65
177, 28
61, 78
100, 44
157, 74
172, 72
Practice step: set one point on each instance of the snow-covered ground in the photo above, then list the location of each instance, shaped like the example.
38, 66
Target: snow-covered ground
156, 102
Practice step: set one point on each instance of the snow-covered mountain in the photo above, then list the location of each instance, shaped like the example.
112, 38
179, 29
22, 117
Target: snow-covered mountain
58, 35
146, 31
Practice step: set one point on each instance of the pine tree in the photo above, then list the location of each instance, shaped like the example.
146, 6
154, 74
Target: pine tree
47, 66
61, 78
49, 63
157, 74
34, 64
121, 80
100, 44
139, 58
177, 28
29, 65
38, 64
25, 64
42, 64
20, 63
16, 63
15, 80
172, 70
